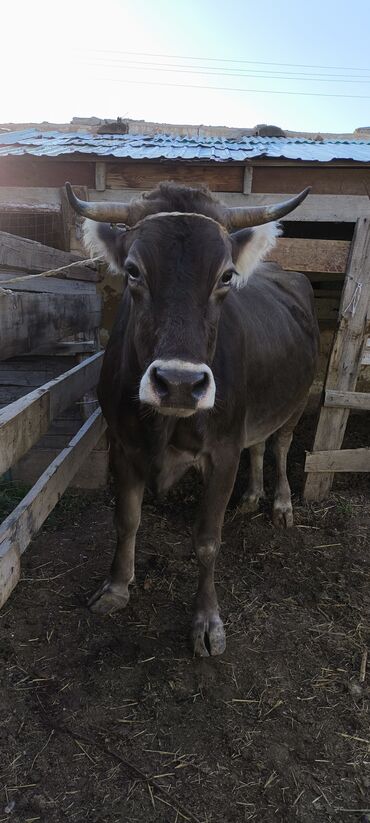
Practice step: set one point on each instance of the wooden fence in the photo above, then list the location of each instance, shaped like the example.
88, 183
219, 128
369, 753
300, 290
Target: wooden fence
35, 315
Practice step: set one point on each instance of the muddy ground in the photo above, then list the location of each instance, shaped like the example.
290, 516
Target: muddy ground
112, 720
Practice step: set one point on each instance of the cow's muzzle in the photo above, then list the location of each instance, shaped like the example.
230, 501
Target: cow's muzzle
178, 387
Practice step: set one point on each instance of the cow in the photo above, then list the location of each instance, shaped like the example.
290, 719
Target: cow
212, 352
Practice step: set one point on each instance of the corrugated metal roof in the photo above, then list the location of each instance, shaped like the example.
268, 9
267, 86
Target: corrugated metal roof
172, 147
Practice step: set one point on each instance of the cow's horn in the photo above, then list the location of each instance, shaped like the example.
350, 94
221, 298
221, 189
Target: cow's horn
106, 212
240, 217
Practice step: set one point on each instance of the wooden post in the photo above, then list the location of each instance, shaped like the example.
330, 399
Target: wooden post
345, 360
247, 181
100, 176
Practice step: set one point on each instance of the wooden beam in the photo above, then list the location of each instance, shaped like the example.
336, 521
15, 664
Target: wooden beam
338, 460
31, 171
65, 348
29, 321
333, 208
100, 176
344, 359
347, 399
365, 357
298, 254
45, 285
147, 175
23, 422
31, 198
247, 180
23, 523
323, 178
28, 255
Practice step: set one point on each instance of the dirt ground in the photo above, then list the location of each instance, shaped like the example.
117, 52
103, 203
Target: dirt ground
111, 719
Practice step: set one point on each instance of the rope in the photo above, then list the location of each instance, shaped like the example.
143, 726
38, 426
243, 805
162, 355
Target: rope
48, 273
354, 301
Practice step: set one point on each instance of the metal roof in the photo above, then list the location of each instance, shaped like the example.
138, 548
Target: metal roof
171, 147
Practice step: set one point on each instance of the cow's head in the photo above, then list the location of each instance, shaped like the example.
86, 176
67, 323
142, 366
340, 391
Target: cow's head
181, 257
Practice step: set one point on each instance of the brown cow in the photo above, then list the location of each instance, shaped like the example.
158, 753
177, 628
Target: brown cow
211, 353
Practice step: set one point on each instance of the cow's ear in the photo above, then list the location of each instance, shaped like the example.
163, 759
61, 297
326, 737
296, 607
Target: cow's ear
250, 246
104, 240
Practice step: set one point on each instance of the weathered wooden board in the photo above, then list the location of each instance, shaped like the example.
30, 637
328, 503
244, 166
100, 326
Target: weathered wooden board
46, 285
66, 348
92, 474
23, 422
315, 208
23, 523
147, 175
28, 321
347, 399
298, 254
33, 171
365, 357
338, 460
324, 179
30, 256
344, 360
22, 198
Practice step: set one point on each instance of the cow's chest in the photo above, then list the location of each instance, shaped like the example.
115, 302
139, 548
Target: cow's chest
183, 450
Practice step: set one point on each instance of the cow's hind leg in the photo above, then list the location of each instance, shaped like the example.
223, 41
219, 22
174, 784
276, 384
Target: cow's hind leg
255, 491
282, 507
208, 634
113, 594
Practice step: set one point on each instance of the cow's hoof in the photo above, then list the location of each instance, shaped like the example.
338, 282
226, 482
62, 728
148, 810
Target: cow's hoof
282, 515
208, 637
249, 503
110, 597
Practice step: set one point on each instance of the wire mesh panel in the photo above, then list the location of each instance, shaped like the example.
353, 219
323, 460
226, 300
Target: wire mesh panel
44, 227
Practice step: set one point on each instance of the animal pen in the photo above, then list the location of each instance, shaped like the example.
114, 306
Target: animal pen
51, 430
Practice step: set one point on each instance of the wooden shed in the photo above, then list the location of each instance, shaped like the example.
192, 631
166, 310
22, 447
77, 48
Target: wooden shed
34, 166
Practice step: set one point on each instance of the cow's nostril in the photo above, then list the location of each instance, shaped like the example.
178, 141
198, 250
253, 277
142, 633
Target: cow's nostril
160, 383
200, 386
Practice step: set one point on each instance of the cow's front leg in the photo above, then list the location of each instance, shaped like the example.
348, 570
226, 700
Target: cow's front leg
208, 634
114, 594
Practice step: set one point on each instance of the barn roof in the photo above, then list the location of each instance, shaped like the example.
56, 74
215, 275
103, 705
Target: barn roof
171, 147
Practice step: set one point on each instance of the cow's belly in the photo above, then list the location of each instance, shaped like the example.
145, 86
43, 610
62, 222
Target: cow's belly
258, 427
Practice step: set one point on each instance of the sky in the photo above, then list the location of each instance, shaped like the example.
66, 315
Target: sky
300, 65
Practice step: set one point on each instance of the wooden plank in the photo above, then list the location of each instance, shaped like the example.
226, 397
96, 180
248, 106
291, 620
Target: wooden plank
315, 208
72, 222
100, 176
31, 256
338, 460
299, 254
32, 198
65, 348
345, 357
29, 321
147, 175
39, 172
23, 422
92, 474
347, 399
46, 285
247, 180
327, 309
323, 178
365, 357
24, 522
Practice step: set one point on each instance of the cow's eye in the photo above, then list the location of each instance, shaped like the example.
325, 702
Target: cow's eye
227, 277
132, 271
